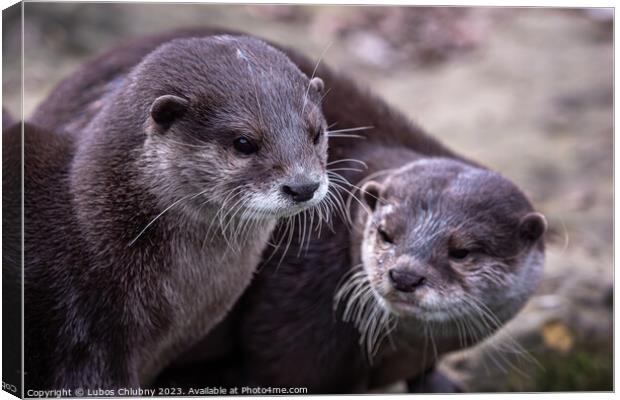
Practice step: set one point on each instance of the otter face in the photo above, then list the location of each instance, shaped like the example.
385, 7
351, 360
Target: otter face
243, 130
446, 241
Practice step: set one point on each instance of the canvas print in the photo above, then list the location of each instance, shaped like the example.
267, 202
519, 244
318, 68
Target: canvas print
205, 199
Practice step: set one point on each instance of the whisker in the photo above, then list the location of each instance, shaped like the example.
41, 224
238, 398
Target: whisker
374, 323
348, 160
316, 67
359, 128
341, 135
163, 212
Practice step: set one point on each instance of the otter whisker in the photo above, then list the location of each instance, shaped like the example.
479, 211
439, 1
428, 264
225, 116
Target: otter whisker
347, 169
338, 135
230, 213
515, 345
373, 322
316, 67
378, 330
291, 231
227, 196
222, 214
283, 224
251, 220
238, 206
234, 219
337, 178
457, 323
302, 232
352, 196
242, 217
348, 160
323, 96
310, 225
435, 353
345, 278
319, 213
247, 222
495, 345
342, 179
165, 211
359, 128
334, 199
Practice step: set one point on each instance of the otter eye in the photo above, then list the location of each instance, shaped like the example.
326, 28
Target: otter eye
384, 236
244, 145
317, 135
458, 254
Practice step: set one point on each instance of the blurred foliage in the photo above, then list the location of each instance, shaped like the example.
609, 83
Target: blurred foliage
575, 371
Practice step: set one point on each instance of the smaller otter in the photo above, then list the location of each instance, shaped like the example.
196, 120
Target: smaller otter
449, 253
174, 175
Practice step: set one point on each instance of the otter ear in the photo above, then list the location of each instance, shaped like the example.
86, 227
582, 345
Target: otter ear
317, 84
532, 226
370, 193
167, 109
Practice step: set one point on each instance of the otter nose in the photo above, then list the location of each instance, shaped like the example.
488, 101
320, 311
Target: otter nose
301, 193
405, 280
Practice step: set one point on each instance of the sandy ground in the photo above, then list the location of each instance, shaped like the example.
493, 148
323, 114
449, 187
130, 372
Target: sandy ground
530, 97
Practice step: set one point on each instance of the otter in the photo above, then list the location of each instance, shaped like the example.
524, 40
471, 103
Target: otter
168, 182
284, 330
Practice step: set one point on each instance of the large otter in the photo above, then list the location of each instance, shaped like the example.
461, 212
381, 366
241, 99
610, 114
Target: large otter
172, 179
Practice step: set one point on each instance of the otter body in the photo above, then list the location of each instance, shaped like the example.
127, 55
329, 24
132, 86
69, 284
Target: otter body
152, 224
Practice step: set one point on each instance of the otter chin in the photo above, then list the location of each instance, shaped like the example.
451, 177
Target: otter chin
445, 242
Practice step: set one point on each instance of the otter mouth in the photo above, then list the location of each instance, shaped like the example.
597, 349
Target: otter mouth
414, 309
284, 212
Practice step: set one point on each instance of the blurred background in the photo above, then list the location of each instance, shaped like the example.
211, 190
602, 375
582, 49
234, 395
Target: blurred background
526, 91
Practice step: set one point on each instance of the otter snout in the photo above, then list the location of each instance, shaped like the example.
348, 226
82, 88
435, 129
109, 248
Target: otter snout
300, 193
406, 279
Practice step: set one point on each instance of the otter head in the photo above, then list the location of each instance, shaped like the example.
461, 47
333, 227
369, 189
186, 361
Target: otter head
445, 241
231, 125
